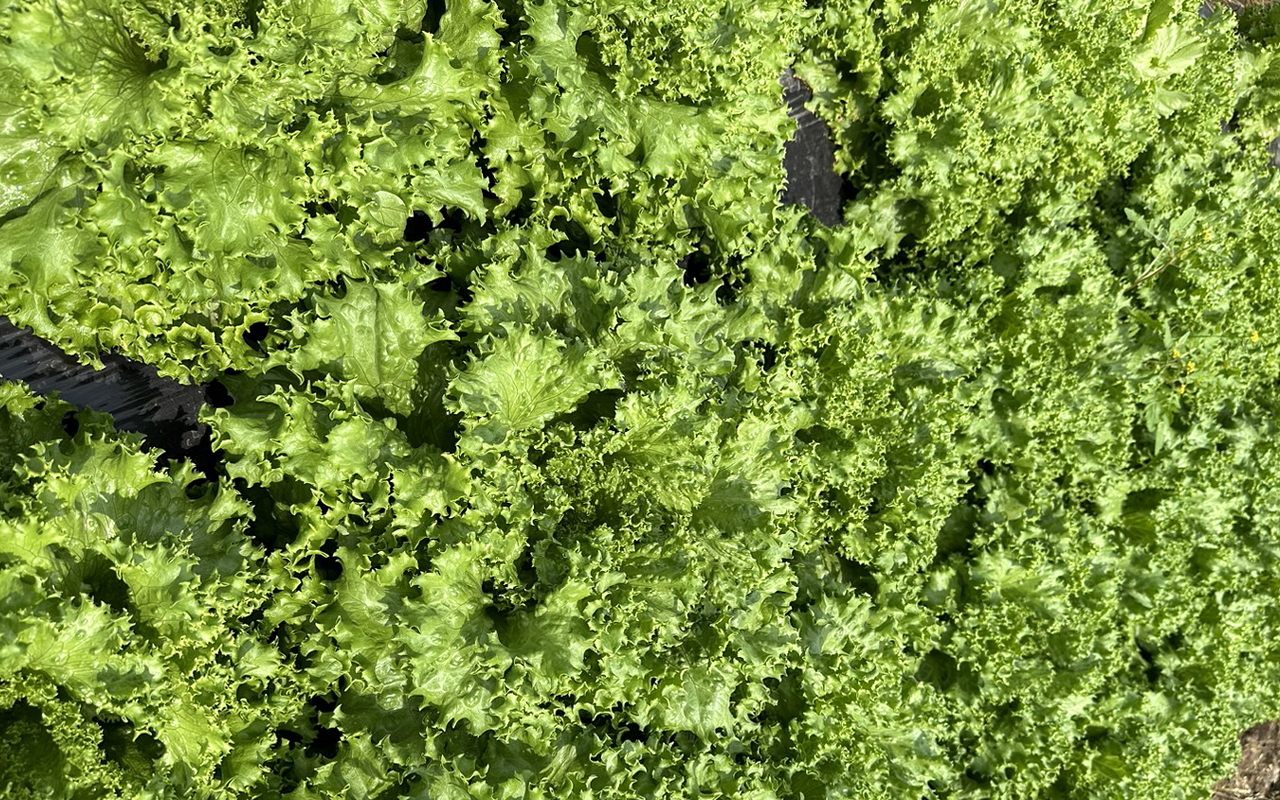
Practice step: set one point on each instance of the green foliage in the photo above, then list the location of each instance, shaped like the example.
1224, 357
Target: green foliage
616, 479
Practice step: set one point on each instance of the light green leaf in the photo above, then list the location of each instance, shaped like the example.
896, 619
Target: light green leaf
1171, 52
699, 701
234, 200
26, 161
388, 213
1157, 16
375, 334
525, 380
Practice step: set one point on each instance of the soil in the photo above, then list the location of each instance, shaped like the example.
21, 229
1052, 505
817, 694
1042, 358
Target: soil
1258, 773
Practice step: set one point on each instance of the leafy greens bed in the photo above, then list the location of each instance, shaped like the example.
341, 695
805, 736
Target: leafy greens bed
566, 462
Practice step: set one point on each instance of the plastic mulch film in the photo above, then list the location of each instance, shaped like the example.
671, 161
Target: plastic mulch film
137, 397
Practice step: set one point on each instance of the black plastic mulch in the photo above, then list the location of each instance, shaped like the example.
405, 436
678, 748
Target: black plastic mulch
140, 400
810, 156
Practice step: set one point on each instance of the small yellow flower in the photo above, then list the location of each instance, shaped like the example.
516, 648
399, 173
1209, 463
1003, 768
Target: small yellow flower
1208, 235
1176, 354
1191, 366
1253, 337
1182, 389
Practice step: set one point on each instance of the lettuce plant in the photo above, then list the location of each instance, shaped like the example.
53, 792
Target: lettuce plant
564, 461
